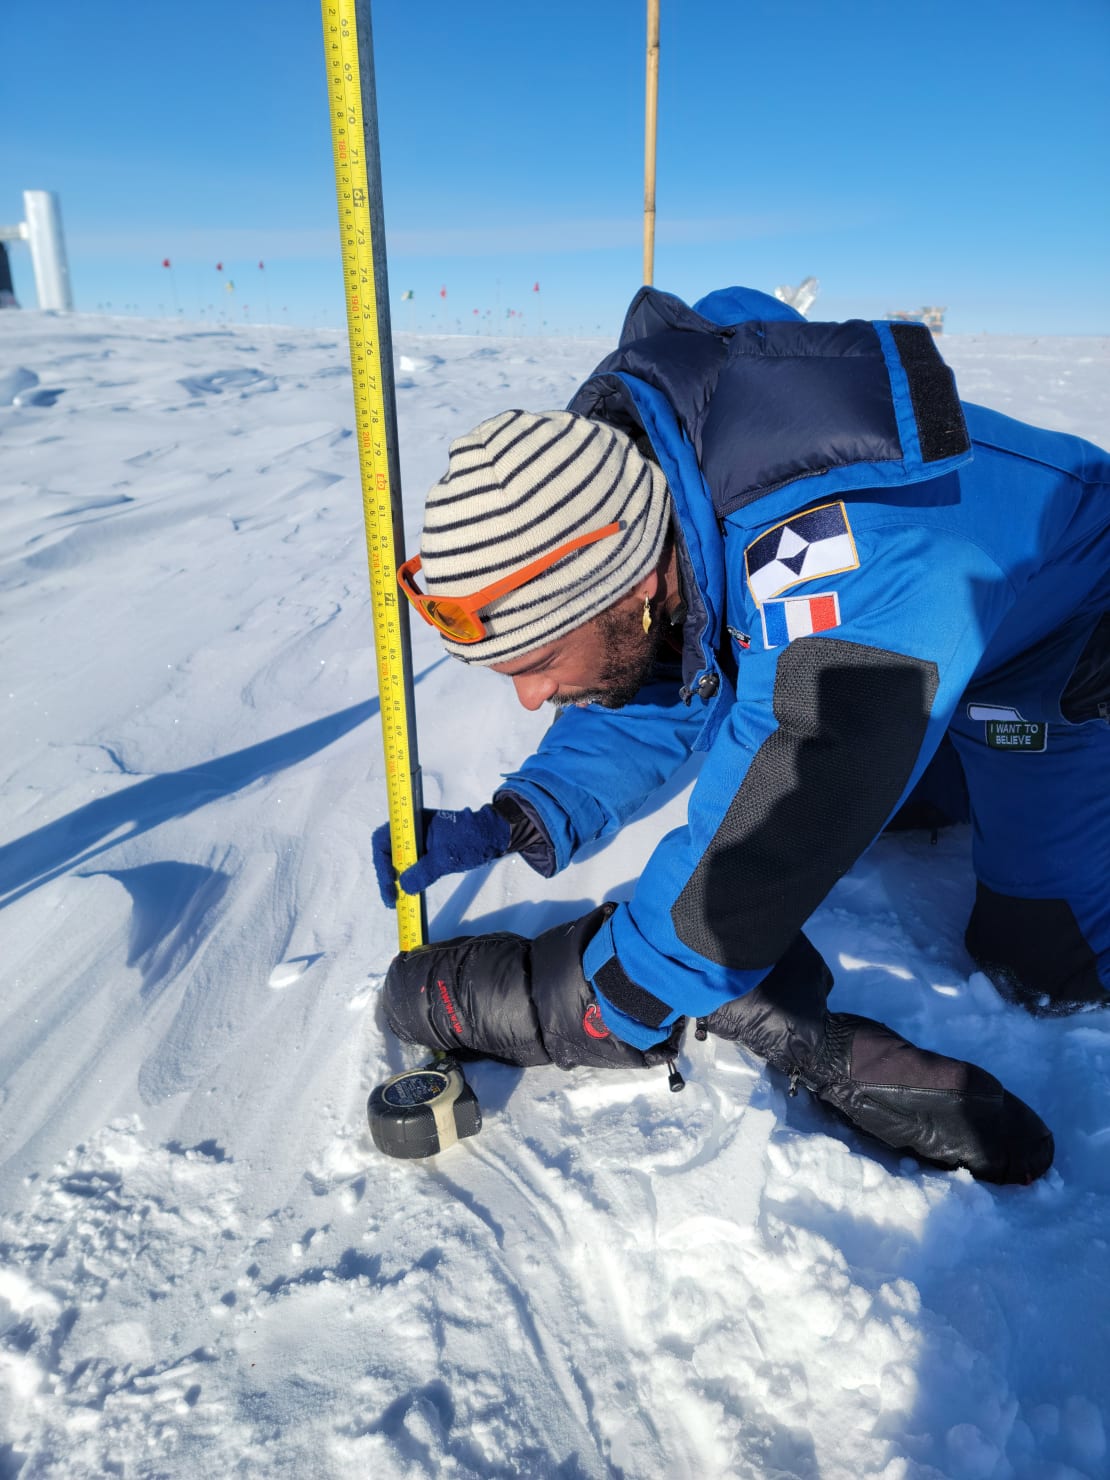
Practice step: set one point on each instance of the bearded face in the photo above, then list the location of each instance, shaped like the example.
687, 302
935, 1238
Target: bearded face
627, 657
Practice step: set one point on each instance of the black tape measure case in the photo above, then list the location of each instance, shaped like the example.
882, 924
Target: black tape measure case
423, 1111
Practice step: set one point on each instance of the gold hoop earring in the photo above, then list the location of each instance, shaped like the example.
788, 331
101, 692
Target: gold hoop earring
646, 618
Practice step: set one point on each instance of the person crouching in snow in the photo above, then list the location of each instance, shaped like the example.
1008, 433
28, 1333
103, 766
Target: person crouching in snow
790, 546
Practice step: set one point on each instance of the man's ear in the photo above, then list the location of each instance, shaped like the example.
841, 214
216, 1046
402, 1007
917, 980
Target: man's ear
649, 587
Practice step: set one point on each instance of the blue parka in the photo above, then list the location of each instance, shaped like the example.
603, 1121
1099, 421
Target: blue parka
862, 556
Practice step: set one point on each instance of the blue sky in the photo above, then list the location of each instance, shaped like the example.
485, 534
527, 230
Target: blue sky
906, 152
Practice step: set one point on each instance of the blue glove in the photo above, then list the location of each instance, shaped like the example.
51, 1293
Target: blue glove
453, 843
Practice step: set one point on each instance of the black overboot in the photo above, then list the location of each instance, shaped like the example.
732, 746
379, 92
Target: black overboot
1034, 953
944, 1111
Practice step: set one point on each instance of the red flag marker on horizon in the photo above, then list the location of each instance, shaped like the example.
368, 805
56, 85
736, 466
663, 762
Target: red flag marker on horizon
219, 267
167, 264
443, 292
535, 287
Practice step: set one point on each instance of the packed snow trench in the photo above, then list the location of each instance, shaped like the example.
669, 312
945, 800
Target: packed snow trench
205, 1267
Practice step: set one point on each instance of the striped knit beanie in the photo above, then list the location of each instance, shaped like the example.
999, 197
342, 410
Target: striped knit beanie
521, 484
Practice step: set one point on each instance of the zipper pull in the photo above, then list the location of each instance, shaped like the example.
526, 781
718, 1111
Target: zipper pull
701, 1031
674, 1078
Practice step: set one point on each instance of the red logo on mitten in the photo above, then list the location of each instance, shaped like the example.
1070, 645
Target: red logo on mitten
452, 1015
593, 1023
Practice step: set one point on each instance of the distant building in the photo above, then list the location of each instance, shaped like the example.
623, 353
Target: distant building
42, 231
801, 297
932, 317
7, 292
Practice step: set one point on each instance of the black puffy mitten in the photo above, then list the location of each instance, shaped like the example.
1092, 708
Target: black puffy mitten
945, 1111
507, 997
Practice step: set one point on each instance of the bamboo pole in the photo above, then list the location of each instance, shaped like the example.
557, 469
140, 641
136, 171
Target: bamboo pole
651, 117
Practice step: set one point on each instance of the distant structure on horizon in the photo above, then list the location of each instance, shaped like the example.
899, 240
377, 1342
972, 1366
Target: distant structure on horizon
42, 231
802, 297
933, 318
7, 289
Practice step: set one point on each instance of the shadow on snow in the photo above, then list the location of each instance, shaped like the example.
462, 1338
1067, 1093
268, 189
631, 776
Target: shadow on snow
89, 830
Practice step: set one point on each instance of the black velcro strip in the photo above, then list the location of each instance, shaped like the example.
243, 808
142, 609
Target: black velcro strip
851, 722
619, 988
936, 406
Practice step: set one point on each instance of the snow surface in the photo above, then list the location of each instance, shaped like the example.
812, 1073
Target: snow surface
205, 1268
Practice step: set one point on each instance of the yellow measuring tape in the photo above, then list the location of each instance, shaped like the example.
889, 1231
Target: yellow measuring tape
356, 228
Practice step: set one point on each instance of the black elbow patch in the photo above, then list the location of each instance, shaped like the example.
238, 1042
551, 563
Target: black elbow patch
851, 723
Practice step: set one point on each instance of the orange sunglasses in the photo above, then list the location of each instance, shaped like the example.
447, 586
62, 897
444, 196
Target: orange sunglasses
458, 615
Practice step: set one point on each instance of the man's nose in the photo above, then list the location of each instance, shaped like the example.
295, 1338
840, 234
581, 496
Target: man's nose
534, 689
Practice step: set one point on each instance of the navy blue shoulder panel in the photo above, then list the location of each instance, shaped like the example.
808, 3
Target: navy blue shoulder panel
767, 402
725, 308
793, 401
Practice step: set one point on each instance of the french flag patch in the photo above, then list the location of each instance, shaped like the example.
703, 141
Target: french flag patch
799, 616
